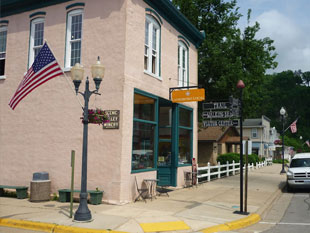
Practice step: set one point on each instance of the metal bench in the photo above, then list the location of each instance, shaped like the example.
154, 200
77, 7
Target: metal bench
64, 195
21, 191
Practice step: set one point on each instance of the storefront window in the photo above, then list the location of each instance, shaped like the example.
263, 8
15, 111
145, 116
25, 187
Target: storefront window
144, 108
143, 133
184, 146
185, 136
185, 117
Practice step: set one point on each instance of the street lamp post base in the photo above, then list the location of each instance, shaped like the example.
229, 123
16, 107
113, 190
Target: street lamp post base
241, 213
282, 171
83, 214
82, 217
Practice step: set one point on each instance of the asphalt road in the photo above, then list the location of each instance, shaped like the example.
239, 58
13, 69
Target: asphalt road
296, 217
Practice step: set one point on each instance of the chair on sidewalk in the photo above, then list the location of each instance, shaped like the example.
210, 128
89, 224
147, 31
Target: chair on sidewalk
142, 192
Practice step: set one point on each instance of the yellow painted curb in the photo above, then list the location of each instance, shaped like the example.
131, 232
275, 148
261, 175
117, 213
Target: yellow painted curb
49, 227
244, 222
164, 226
37, 226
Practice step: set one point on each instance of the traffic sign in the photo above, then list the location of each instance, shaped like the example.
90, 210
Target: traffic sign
220, 123
216, 105
217, 114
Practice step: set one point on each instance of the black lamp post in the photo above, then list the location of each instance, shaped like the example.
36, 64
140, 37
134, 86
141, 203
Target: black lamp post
83, 213
282, 113
240, 85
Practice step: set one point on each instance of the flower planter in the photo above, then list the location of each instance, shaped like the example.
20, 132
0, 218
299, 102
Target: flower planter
97, 116
95, 197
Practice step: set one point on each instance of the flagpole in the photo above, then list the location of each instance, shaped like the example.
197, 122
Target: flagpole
69, 83
291, 124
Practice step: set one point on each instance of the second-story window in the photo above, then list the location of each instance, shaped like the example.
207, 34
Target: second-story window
152, 46
254, 133
36, 38
182, 64
3, 35
74, 38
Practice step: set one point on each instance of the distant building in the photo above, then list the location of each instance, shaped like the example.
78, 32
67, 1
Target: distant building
259, 132
214, 141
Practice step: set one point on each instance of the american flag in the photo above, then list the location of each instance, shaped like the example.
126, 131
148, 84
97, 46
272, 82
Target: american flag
44, 68
294, 127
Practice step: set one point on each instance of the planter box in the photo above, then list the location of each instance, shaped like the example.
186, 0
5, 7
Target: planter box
95, 197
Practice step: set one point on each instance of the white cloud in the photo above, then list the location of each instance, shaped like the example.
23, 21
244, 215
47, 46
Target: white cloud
290, 39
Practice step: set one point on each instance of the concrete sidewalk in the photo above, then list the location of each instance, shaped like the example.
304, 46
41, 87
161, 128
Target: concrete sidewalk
207, 208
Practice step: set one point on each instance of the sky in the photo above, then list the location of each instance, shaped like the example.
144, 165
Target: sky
287, 22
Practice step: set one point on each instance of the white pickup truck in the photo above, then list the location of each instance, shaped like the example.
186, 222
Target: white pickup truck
298, 174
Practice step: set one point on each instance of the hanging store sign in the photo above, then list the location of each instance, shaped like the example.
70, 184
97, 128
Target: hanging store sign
113, 116
189, 95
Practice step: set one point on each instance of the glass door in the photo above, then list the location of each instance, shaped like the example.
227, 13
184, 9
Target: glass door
166, 169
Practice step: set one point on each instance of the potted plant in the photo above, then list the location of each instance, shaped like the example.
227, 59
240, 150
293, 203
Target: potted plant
97, 116
96, 197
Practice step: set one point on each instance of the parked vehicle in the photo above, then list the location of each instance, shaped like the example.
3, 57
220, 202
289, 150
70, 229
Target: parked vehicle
298, 174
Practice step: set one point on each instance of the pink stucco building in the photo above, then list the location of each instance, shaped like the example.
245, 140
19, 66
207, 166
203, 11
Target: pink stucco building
146, 46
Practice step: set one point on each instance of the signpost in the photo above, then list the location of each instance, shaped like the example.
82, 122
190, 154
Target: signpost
220, 113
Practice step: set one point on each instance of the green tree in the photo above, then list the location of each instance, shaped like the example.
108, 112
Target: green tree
227, 54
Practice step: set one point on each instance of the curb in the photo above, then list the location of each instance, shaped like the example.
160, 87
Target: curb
262, 211
234, 225
49, 227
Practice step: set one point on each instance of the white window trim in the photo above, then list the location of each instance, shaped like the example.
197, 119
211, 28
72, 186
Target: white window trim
254, 131
4, 28
31, 45
181, 82
68, 39
153, 23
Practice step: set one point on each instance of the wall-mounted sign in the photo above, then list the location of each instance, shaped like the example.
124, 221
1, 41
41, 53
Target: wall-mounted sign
188, 95
113, 116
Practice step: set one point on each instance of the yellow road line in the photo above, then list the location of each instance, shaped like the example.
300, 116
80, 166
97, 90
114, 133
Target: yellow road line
164, 226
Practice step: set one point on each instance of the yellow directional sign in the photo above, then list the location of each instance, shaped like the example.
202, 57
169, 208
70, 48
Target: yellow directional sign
189, 95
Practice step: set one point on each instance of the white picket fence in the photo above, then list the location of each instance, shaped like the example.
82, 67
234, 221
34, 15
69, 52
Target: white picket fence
216, 172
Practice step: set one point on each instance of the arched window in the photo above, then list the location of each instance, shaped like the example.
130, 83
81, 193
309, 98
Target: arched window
152, 46
36, 38
183, 64
74, 38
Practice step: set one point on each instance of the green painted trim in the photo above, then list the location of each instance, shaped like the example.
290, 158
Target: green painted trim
155, 122
155, 13
141, 92
81, 4
159, 72
188, 128
164, 140
12, 7
184, 40
145, 121
171, 14
143, 170
184, 165
4, 21
185, 127
41, 13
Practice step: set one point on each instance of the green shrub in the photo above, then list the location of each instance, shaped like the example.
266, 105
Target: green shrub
230, 157
279, 161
